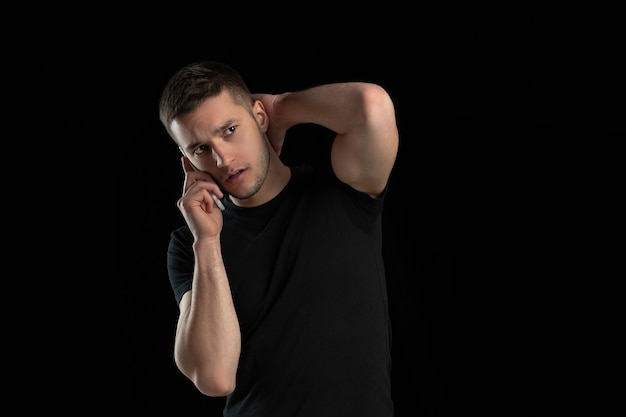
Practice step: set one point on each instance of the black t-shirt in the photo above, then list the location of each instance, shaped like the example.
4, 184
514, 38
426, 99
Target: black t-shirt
308, 282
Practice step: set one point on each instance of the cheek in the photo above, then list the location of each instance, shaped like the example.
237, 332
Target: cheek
206, 164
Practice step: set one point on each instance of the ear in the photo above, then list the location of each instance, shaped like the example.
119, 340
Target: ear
258, 109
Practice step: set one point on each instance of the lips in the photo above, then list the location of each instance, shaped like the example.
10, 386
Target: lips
235, 176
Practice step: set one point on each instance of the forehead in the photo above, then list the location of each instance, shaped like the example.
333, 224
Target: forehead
211, 117
216, 108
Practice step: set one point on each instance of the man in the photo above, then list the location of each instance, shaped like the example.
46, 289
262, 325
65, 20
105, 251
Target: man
282, 295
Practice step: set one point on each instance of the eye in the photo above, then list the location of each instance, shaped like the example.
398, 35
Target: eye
229, 131
200, 149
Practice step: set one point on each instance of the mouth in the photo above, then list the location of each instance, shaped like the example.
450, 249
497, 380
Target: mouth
234, 176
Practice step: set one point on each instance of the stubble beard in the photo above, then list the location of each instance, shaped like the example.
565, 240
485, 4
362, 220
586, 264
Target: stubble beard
263, 165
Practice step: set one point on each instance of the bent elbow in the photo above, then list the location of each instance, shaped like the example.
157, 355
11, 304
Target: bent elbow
212, 378
378, 103
214, 385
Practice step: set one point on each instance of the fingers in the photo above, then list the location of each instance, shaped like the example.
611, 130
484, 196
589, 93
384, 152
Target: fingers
209, 203
199, 196
199, 180
193, 175
199, 202
204, 182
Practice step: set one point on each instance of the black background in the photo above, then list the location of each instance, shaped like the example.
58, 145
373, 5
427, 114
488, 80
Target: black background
501, 134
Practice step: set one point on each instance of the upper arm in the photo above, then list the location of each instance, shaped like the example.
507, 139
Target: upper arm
363, 156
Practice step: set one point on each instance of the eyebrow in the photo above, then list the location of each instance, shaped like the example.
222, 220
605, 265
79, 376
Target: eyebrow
228, 123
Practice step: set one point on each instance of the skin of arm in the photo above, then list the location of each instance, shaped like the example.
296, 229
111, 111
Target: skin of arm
207, 343
362, 115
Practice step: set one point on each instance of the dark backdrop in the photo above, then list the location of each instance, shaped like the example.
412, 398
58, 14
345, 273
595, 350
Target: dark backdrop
495, 148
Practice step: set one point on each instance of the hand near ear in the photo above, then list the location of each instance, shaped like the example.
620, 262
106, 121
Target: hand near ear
197, 203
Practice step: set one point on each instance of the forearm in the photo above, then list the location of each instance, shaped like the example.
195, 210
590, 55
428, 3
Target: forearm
339, 107
208, 338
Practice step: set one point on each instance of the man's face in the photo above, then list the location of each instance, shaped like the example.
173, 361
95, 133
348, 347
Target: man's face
227, 141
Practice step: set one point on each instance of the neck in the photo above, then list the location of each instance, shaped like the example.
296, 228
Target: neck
277, 178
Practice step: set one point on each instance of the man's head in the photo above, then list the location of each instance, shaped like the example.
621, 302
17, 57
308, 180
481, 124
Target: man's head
209, 112
196, 82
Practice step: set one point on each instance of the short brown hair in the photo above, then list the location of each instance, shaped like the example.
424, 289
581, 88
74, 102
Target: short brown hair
191, 85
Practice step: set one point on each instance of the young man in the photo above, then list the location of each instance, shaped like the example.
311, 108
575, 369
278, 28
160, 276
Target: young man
282, 295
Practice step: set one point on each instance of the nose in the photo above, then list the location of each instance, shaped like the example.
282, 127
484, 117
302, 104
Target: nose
220, 155
217, 157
